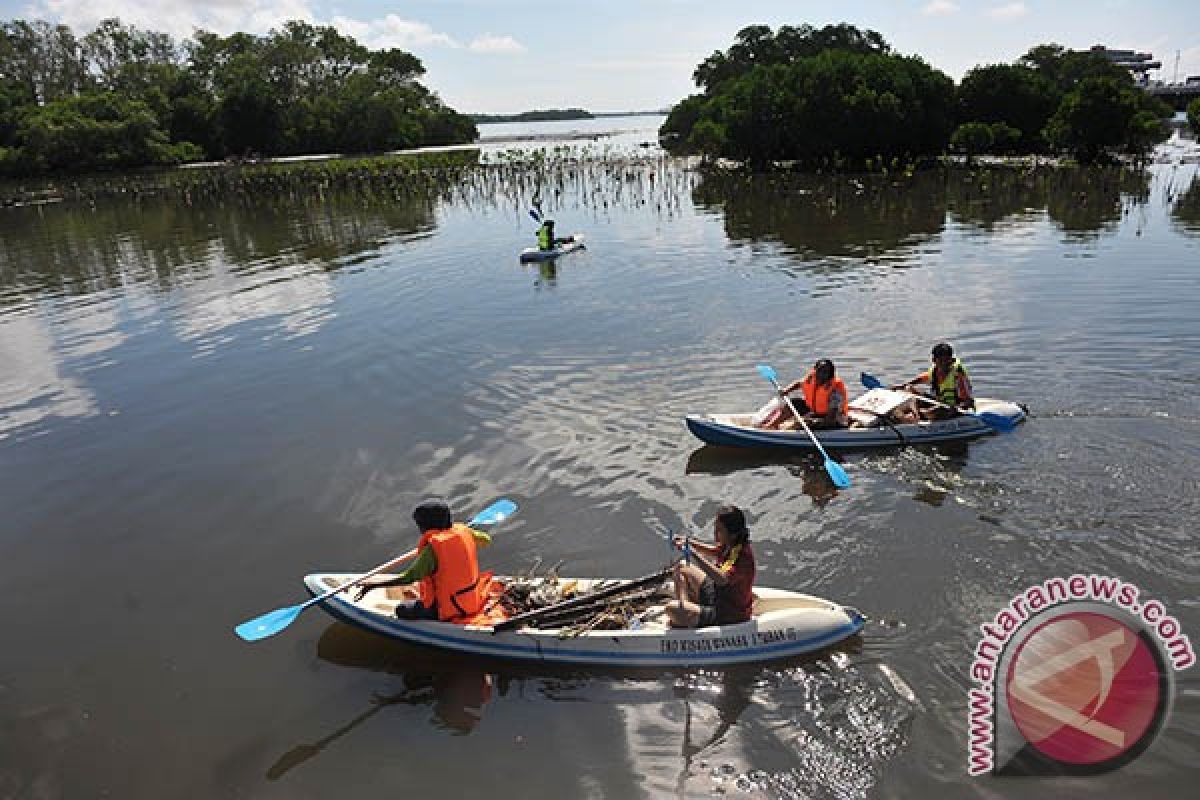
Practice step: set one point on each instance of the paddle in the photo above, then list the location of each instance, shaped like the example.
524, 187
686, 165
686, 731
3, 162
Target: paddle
836, 473
997, 422
273, 622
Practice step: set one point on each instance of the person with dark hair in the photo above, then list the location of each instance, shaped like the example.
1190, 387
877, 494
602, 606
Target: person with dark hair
823, 401
948, 381
452, 588
717, 587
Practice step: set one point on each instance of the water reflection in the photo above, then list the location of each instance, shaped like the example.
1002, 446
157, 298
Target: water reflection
33, 382
822, 729
547, 275
1083, 201
868, 216
1186, 211
808, 467
455, 690
828, 721
72, 248
890, 219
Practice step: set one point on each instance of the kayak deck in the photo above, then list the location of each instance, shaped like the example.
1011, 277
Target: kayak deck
537, 254
783, 624
739, 430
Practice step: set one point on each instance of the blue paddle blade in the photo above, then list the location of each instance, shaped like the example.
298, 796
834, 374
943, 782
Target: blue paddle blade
268, 624
536, 217
496, 512
837, 474
767, 372
870, 381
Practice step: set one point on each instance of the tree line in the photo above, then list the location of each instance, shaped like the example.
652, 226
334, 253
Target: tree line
537, 115
840, 97
124, 97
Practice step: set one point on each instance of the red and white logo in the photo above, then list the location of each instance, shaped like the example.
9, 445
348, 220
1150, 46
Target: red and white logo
1085, 689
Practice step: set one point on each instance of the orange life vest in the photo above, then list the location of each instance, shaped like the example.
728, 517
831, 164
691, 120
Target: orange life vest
817, 397
456, 585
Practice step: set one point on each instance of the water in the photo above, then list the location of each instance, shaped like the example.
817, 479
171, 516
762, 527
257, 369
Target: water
199, 404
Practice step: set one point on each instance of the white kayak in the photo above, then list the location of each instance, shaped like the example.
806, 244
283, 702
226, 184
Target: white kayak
784, 624
741, 429
537, 254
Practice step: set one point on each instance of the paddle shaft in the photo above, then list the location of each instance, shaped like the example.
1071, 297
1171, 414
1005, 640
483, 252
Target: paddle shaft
381, 568
886, 421
988, 418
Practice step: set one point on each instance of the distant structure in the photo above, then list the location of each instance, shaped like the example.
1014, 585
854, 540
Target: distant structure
1137, 63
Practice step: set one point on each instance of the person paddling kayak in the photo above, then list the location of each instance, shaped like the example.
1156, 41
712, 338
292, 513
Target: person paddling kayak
451, 585
546, 238
948, 381
718, 591
823, 401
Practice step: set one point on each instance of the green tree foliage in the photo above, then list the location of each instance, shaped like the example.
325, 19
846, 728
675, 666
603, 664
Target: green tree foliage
757, 45
1103, 114
299, 89
44, 61
1016, 96
831, 96
1193, 115
1067, 68
972, 138
95, 130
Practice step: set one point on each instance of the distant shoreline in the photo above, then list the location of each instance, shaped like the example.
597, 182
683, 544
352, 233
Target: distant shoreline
492, 119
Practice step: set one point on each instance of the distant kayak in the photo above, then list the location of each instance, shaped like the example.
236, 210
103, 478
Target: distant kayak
740, 430
784, 624
537, 254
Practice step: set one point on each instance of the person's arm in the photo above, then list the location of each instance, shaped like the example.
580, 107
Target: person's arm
834, 415
697, 546
481, 539
908, 385
710, 569
423, 567
793, 386
966, 398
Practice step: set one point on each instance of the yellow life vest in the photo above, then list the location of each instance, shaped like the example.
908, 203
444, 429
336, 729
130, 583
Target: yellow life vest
945, 388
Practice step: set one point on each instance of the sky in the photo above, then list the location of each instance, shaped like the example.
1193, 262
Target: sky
504, 56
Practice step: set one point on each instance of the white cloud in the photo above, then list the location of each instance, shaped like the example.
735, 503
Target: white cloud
490, 43
393, 31
1008, 11
940, 8
181, 18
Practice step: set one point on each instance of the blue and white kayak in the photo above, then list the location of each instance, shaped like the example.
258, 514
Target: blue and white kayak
784, 624
536, 254
741, 430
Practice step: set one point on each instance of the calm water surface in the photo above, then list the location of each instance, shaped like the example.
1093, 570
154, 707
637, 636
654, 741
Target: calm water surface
201, 403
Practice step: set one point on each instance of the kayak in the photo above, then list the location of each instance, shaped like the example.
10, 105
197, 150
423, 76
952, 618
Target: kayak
784, 624
739, 430
536, 254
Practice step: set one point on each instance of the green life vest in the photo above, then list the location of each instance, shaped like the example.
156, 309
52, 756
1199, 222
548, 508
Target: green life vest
946, 389
544, 240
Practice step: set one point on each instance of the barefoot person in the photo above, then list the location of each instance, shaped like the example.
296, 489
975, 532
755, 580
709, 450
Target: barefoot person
823, 400
717, 587
948, 381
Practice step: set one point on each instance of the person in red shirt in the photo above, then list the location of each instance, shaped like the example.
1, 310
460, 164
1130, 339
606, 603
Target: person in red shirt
717, 587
